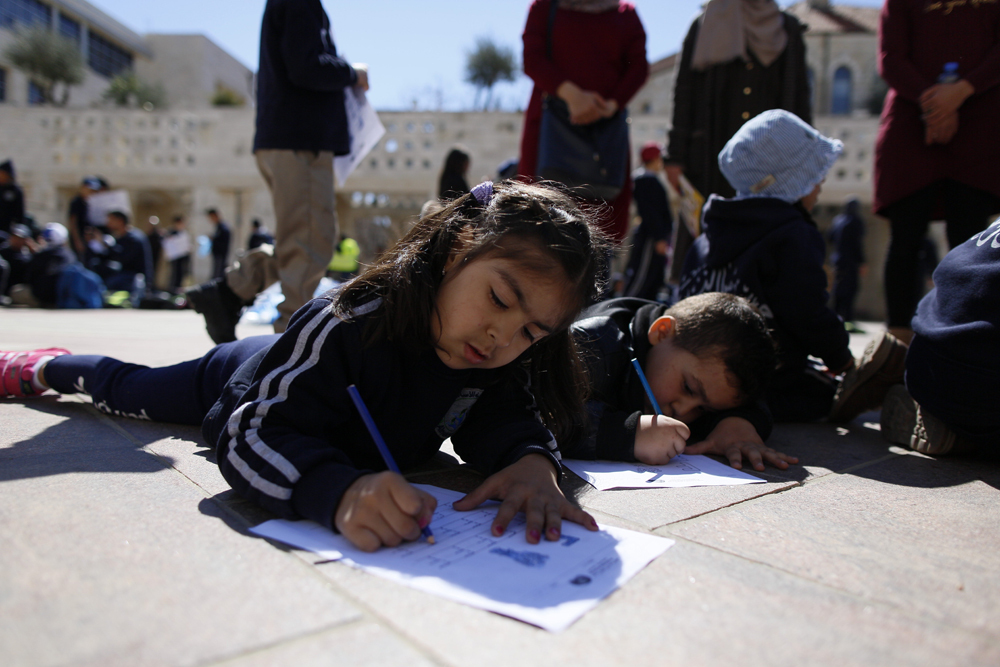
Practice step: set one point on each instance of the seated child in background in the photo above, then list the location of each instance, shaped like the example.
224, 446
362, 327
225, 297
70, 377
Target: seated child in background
443, 337
950, 401
707, 360
763, 245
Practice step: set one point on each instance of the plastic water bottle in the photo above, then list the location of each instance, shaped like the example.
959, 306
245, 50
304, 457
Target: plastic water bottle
949, 74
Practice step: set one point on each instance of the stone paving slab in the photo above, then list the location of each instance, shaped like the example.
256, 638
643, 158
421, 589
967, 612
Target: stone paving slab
359, 645
695, 605
864, 554
111, 558
915, 533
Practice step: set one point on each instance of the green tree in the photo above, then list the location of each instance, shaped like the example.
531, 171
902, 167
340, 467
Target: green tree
49, 59
225, 96
128, 90
488, 64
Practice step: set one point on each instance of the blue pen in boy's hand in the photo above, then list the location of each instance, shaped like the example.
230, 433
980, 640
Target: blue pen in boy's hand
383, 449
649, 390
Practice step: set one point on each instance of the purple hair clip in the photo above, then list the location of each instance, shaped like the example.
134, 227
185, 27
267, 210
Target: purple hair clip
483, 192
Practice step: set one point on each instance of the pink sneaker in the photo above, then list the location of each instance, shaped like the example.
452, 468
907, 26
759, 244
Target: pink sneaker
17, 369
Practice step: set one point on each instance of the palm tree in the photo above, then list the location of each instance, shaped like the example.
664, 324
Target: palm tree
488, 64
48, 59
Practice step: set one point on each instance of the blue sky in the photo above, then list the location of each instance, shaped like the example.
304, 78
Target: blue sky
415, 50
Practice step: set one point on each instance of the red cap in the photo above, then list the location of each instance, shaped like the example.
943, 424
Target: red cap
650, 151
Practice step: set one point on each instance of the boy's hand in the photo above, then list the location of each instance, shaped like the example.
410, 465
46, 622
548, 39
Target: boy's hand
736, 438
659, 439
383, 509
528, 486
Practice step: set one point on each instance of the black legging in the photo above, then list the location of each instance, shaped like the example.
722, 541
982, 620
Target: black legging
966, 212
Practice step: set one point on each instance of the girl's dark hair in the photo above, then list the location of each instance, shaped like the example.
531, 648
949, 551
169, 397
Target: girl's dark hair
729, 327
539, 228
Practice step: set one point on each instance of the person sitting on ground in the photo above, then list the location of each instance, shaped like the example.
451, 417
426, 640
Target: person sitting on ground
948, 404
41, 286
707, 358
15, 253
763, 245
259, 236
647, 260
126, 263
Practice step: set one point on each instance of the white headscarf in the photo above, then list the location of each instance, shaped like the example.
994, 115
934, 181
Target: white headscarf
730, 27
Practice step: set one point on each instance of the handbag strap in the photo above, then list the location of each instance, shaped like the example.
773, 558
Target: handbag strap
553, 6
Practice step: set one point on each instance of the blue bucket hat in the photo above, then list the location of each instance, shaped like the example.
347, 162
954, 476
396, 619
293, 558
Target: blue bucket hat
777, 154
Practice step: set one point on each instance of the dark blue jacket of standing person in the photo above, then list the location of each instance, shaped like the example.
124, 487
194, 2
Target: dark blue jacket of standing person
953, 364
771, 253
220, 241
301, 81
652, 206
847, 234
610, 334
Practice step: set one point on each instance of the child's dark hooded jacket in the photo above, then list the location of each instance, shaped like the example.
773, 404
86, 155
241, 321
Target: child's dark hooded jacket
771, 253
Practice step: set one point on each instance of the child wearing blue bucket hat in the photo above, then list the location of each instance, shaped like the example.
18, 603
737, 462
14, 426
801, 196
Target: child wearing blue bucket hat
763, 245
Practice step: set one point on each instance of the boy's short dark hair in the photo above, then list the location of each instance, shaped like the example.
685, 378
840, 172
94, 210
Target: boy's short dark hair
121, 215
730, 327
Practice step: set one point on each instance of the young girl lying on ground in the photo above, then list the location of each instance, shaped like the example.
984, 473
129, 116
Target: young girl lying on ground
461, 331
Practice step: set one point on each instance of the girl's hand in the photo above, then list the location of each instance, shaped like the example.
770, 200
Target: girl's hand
736, 438
383, 509
528, 486
659, 439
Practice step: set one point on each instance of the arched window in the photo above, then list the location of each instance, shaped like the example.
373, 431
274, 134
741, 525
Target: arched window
841, 102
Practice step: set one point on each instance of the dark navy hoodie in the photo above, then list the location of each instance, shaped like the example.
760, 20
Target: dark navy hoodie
771, 253
953, 365
301, 81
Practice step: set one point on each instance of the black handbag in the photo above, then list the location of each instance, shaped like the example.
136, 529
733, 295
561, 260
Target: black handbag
592, 159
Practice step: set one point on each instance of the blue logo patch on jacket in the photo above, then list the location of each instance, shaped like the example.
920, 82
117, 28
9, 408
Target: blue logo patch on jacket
453, 419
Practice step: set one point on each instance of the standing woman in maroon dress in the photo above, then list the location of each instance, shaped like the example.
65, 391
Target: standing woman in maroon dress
938, 147
598, 63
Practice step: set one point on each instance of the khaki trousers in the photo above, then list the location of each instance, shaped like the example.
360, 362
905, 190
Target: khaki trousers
301, 184
253, 272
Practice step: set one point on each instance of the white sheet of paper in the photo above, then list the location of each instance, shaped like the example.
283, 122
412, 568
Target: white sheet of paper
550, 584
366, 130
683, 470
100, 204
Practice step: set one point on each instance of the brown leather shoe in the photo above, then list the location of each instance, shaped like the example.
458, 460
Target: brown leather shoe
864, 387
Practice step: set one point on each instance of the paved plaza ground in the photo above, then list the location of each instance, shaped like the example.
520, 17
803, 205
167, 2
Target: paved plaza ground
121, 544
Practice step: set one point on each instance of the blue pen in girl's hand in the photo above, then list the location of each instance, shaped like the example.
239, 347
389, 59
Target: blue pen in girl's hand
383, 449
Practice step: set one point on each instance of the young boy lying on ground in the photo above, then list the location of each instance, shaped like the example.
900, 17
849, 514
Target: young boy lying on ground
707, 358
